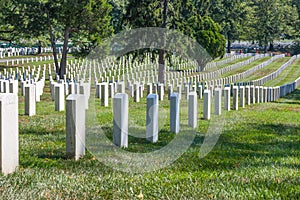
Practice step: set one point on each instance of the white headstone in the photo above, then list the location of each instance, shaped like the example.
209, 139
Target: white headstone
149, 88
59, 97
85, 89
257, 94
161, 92
235, 98
252, 94
174, 113
218, 101
248, 96
242, 96
207, 104
9, 133
120, 114
192, 110
227, 98
30, 103
104, 94
75, 126
136, 92
111, 90
152, 118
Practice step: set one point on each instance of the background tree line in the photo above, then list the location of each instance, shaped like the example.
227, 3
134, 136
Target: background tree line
86, 23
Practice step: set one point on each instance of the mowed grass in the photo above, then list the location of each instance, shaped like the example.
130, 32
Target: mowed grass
256, 157
227, 64
272, 67
288, 75
246, 67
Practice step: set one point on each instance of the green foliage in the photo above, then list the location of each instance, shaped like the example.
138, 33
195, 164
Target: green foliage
230, 15
273, 20
183, 16
210, 38
296, 47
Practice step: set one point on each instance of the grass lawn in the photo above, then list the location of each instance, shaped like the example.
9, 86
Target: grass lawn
272, 67
256, 157
228, 64
288, 75
246, 67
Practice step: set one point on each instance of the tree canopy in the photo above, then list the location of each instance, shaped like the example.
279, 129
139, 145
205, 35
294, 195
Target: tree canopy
86, 23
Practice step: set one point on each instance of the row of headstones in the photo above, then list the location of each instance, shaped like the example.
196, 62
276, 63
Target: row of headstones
9, 86
59, 90
212, 65
174, 76
33, 89
105, 90
169, 76
274, 74
75, 117
71, 66
20, 51
245, 74
9, 52
289, 88
248, 95
75, 120
27, 60
32, 92
212, 76
23, 74
9, 129
219, 72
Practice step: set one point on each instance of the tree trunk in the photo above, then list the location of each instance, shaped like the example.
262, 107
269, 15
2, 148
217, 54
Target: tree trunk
39, 47
228, 46
63, 63
53, 43
161, 59
161, 67
265, 45
271, 47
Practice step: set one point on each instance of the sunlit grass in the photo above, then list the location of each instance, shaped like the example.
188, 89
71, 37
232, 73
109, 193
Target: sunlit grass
256, 157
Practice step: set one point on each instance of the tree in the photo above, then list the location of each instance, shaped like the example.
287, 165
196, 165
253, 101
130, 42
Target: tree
9, 21
274, 19
230, 14
117, 14
86, 23
180, 15
76, 18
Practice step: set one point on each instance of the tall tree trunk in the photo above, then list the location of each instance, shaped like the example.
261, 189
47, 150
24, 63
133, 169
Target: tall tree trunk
271, 48
161, 59
63, 63
265, 45
53, 46
228, 46
53, 43
39, 47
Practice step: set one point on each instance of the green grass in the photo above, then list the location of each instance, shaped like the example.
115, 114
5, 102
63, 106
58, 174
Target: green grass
272, 67
246, 67
288, 75
228, 64
256, 157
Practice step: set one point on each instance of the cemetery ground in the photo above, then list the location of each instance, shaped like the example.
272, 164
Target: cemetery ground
256, 157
